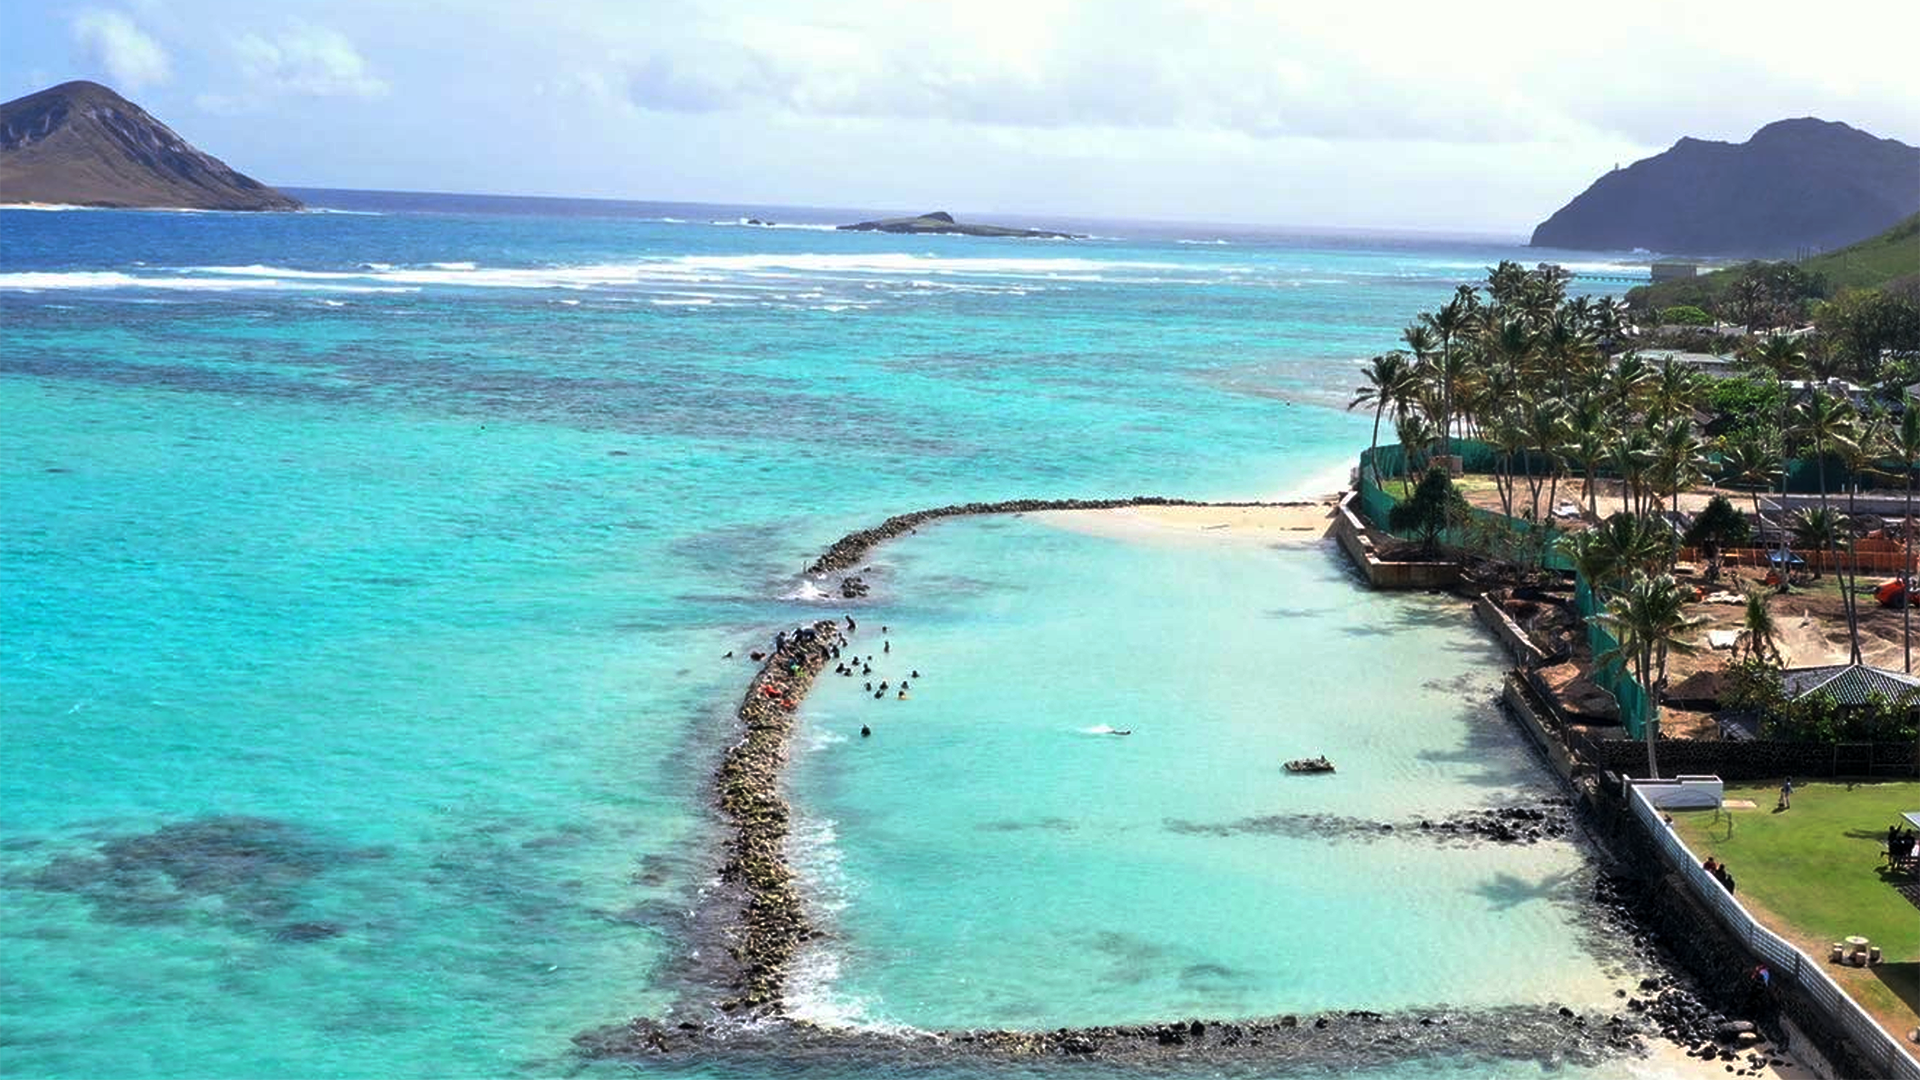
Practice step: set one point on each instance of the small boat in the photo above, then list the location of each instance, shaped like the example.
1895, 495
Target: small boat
1310, 765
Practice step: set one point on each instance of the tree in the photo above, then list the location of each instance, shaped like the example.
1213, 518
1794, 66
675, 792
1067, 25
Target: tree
1717, 527
1906, 442
1685, 315
1859, 324
1430, 510
1826, 422
1588, 432
1389, 386
1763, 637
1648, 618
1750, 461
1785, 356
1819, 529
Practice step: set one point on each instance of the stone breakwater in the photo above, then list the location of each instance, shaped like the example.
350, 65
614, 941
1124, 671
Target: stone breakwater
847, 551
1344, 1040
772, 922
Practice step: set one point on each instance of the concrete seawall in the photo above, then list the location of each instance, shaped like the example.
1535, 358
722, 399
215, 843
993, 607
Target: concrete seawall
1358, 542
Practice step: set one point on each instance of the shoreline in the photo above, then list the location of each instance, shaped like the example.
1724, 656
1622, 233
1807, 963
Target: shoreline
769, 924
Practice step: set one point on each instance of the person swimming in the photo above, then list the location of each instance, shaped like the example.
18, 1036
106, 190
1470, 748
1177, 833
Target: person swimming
865, 731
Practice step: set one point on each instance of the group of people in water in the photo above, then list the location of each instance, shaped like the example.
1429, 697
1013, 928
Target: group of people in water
847, 667
864, 666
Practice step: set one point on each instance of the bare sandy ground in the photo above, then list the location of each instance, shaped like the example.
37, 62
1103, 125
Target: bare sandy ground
1300, 523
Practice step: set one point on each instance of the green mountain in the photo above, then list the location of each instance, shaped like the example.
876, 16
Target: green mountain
1869, 264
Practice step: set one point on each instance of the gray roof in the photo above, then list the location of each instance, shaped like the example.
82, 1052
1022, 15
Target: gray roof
1849, 684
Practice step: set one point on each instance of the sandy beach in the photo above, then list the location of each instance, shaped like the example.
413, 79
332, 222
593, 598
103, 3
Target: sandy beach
1301, 523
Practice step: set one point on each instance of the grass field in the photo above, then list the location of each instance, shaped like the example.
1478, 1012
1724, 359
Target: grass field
1809, 874
1870, 263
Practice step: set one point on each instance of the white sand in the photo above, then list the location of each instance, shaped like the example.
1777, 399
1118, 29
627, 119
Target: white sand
1300, 524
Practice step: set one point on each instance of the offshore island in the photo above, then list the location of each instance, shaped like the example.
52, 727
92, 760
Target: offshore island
941, 223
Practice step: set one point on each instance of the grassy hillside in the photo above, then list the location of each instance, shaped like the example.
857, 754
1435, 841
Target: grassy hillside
1870, 263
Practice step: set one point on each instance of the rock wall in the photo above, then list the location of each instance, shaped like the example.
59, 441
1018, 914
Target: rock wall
1761, 759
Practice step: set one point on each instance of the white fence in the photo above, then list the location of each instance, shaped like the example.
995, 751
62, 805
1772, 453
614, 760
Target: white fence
1885, 1053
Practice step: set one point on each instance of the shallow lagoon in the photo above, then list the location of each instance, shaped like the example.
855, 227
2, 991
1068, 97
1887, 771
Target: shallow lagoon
991, 857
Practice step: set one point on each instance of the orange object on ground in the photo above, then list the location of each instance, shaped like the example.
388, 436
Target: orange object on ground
1890, 592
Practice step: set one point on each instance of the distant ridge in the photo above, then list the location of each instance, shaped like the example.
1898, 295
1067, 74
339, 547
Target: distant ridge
81, 144
1796, 185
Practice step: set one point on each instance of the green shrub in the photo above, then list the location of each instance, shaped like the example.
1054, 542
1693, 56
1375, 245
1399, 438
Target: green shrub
1685, 315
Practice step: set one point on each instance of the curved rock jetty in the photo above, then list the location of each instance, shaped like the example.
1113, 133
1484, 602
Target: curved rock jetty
853, 547
772, 922
763, 923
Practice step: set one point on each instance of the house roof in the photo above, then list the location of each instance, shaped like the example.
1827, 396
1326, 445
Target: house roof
1848, 684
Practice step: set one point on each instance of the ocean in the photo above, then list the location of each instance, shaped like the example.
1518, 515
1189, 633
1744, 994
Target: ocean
367, 576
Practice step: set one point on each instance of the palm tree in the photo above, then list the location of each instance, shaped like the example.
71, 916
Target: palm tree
1906, 442
1673, 391
1763, 637
1819, 529
1648, 618
1749, 461
1447, 323
1587, 434
1680, 459
1389, 382
1633, 457
1826, 423
1785, 356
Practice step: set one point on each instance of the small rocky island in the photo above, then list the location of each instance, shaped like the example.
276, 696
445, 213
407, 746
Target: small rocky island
942, 222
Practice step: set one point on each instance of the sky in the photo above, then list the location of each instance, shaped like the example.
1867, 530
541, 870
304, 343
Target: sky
1465, 117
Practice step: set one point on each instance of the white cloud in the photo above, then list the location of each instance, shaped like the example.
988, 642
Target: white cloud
1504, 71
308, 60
131, 57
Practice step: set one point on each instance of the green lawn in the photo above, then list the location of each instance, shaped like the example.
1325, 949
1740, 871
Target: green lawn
1809, 874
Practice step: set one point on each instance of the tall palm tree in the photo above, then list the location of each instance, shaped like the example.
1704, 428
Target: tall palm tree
1588, 433
1826, 422
1749, 460
1680, 459
1633, 459
1389, 383
1648, 619
1906, 443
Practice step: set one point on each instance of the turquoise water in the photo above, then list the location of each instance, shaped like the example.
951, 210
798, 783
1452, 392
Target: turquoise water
366, 578
1144, 876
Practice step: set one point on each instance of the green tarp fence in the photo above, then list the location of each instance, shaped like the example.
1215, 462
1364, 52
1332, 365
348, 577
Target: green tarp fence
1487, 533
1803, 474
1611, 677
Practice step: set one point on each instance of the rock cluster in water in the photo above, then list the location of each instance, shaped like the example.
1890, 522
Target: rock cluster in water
1549, 819
772, 922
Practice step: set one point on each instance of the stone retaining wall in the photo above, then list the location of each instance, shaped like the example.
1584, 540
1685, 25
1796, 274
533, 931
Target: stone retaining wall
1357, 541
1760, 759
